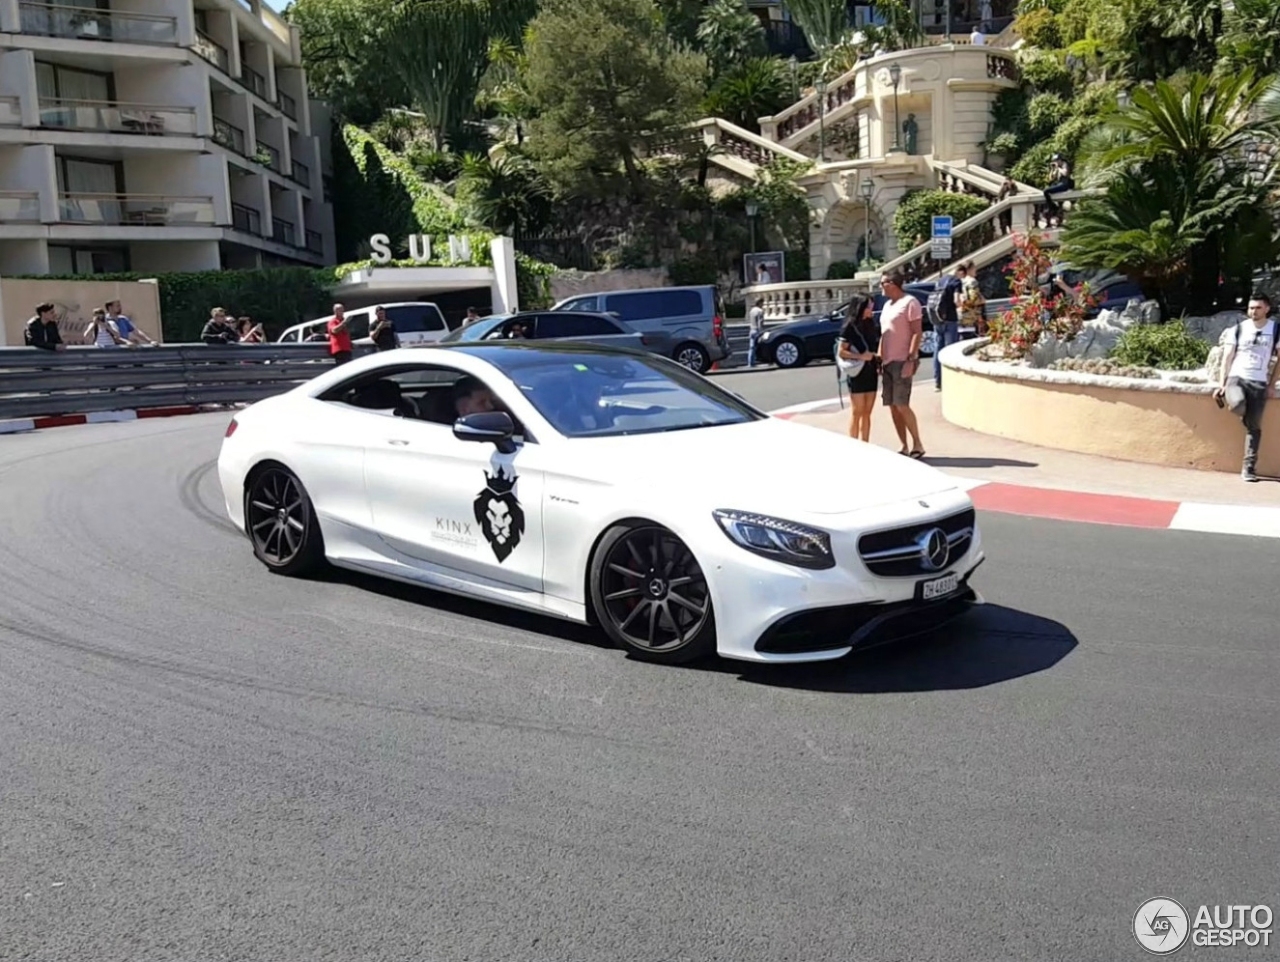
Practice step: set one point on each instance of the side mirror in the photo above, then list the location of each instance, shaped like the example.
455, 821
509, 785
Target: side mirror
495, 427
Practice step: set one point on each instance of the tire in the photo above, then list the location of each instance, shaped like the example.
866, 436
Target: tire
281, 523
693, 356
789, 352
661, 624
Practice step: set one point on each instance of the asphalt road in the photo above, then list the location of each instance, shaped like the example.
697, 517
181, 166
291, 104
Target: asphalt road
205, 762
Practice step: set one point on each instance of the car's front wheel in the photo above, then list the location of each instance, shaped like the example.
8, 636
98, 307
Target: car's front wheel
281, 522
693, 356
650, 596
788, 352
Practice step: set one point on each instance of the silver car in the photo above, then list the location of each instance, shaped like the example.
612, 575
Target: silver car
584, 326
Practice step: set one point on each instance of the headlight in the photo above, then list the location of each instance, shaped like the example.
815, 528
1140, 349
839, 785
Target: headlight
776, 538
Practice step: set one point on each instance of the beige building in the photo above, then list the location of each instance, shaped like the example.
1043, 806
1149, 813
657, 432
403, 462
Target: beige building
156, 135
896, 122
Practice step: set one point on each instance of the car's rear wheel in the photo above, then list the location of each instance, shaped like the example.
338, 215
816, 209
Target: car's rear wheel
788, 352
650, 595
693, 356
281, 522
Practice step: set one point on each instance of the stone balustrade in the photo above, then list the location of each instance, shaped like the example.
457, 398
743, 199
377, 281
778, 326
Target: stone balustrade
785, 302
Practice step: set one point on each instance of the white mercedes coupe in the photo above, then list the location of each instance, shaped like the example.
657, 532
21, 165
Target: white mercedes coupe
603, 486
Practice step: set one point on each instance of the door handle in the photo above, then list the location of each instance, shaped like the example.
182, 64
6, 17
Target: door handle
397, 441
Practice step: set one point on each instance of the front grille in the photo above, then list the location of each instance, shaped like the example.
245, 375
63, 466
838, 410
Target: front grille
896, 553
862, 626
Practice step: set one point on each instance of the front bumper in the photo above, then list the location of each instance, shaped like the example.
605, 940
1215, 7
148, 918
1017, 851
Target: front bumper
841, 629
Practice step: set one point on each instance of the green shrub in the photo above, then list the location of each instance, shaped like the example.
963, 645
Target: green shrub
913, 218
694, 269
1033, 167
1045, 71
1006, 144
1169, 347
1039, 28
1045, 114
841, 270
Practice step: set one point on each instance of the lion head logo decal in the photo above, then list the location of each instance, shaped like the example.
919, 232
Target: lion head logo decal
499, 514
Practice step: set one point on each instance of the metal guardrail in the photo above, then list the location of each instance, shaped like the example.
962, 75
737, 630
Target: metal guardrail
85, 380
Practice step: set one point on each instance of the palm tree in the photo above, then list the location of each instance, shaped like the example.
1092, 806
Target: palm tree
504, 194
1176, 165
1251, 36
753, 89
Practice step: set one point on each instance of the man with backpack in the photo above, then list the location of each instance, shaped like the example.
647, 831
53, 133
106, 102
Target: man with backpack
1247, 369
944, 314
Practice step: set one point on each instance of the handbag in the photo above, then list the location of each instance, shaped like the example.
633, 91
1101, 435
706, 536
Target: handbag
850, 368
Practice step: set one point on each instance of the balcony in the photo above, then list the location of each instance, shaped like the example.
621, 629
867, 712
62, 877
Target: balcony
10, 112
284, 232
302, 173
315, 243
253, 80
246, 219
87, 23
212, 51
288, 106
114, 117
19, 207
228, 135
267, 156
135, 210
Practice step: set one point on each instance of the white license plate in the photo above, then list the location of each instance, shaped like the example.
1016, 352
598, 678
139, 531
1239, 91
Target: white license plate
939, 587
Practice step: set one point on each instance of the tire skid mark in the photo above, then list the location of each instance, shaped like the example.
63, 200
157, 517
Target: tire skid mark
189, 497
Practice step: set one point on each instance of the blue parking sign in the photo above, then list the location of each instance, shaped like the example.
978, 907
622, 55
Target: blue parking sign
942, 226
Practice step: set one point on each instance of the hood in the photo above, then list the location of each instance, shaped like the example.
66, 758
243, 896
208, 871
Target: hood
770, 466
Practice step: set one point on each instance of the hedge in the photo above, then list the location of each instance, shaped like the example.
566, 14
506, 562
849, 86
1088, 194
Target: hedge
914, 217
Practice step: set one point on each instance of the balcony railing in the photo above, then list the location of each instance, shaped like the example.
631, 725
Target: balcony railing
117, 117
302, 173
135, 210
19, 207
229, 135
89, 23
10, 112
315, 243
284, 232
253, 80
246, 219
268, 156
288, 106
212, 51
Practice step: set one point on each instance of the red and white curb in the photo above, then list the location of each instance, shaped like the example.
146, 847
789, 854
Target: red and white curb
1258, 521
97, 417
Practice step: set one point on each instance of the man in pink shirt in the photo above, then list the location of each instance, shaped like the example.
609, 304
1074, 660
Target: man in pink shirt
901, 326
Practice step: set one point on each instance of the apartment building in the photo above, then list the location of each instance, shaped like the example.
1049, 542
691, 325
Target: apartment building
157, 135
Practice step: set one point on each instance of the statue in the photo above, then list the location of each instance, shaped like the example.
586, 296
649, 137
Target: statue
912, 131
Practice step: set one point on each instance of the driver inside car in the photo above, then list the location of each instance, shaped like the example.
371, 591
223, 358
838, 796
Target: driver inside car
470, 396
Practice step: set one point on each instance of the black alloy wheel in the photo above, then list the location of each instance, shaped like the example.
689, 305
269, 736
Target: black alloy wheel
693, 356
650, 595
281, 523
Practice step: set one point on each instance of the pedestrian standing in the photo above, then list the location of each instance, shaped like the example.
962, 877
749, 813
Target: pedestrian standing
901, 330
383, 331
340, 347
756, 319
856, 354
102, 331
128, 330
1247, 369
42, 330
945, 314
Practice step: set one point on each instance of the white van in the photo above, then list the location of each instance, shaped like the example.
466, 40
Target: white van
416, 322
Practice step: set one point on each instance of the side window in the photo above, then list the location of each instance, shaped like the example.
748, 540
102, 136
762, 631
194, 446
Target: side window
413, 318
291, 337
653, 305
559, 324
590, 303
358, 324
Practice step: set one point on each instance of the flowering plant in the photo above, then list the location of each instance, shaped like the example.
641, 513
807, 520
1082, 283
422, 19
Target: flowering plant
1033, 313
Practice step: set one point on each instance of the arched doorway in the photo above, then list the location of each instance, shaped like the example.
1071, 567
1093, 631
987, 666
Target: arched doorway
849, 228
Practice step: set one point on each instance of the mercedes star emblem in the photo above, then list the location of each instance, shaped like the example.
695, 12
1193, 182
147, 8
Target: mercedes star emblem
935, 550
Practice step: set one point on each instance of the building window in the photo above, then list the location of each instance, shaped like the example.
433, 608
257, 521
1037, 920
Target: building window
88, 260
56, 82
79, 176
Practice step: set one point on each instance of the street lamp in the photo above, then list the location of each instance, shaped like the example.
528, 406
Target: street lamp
821, 88
868, 188
895, 77
752, 209
794, 64
1123, 100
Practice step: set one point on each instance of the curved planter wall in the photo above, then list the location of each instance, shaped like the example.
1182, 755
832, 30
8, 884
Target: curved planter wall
1153, 421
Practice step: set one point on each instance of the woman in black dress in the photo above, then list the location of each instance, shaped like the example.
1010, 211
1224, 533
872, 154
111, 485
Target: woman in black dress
859, 342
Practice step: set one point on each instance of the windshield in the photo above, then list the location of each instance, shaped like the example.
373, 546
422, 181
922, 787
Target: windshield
587, 394
475, 330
